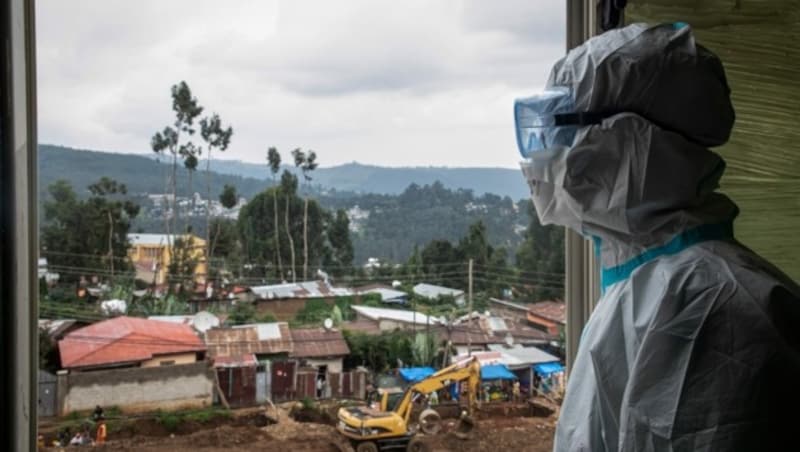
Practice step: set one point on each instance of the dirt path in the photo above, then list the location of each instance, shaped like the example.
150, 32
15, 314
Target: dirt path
496, 433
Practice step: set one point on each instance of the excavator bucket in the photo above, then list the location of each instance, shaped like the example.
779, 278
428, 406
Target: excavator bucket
464, 427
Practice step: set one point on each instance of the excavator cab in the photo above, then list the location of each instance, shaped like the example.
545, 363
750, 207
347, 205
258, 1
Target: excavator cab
386, 424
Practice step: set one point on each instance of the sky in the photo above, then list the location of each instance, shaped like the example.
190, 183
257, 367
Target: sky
411, 83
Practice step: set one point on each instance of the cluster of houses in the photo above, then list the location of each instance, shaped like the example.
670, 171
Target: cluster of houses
196, 360
164, 362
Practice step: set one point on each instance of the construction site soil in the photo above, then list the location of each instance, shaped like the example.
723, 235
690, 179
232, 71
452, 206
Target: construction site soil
290, 428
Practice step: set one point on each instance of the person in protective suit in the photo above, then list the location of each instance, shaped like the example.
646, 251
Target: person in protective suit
695, 342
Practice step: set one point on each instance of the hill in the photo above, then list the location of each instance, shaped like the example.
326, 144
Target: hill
384, 225
144, 174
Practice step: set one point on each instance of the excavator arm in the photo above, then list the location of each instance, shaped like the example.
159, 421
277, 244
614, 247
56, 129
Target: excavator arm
468, 370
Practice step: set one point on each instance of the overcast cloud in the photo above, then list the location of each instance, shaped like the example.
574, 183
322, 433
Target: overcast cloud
379, 82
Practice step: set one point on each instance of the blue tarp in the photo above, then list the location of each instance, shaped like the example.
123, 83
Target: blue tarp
415, 374
546, 369
496, 372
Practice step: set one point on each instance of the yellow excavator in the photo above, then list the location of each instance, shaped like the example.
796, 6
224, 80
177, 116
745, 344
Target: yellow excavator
388, 425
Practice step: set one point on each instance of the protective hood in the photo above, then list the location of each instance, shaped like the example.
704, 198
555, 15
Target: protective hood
658, 72
641, 176
630, 184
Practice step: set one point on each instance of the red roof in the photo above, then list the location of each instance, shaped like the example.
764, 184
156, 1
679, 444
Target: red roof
124, 340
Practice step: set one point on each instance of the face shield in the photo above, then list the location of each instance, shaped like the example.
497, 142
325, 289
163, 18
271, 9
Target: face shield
540, 121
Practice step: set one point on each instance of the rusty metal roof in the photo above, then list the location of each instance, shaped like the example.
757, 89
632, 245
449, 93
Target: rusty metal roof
245, 340
248, 360
550, 310
318, 343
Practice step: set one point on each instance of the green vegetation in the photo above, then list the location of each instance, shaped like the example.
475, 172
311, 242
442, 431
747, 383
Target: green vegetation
87, 233
172, 420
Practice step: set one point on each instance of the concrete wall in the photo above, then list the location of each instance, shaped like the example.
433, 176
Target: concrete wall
137, 389
179, 358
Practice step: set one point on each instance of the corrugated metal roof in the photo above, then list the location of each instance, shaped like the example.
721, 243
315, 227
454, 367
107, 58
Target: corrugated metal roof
509, 304
245, 340
396, 315
248, 360
318, 343
265, 331
496, 324
306, 289
433, 291
514, 358
551, 310
125, 339
388, 294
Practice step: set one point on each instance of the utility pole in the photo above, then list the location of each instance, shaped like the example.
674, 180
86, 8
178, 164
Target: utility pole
469, 313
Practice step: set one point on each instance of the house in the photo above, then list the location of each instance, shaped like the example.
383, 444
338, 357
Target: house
319, 347
389, 296
284, 301
548, 316
151, 255
130, 342
509, 310
392, 319
432, 292
264, 340
321, 351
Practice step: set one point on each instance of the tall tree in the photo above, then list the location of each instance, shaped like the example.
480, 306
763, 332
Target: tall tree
176, 140
216, 137
256, 226
106, 189
307, 163
338, 232
228, 198
289, 188
274, 160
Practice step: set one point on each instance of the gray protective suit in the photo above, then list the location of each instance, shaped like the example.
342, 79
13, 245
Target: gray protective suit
695, 343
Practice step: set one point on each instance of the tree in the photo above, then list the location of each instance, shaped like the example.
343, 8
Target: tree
541, 258
216, 137
256, 228
306, 163
104, 188
289, 188
338, 232
176, 140
274, 159
183, 262
242, 313
84, 237
228, 198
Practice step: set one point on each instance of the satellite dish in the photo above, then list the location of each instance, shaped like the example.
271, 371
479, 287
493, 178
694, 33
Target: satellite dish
204, 321
396, 284
328, 324
509, 340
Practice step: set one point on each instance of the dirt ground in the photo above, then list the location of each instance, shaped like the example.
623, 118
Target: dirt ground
496, 431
